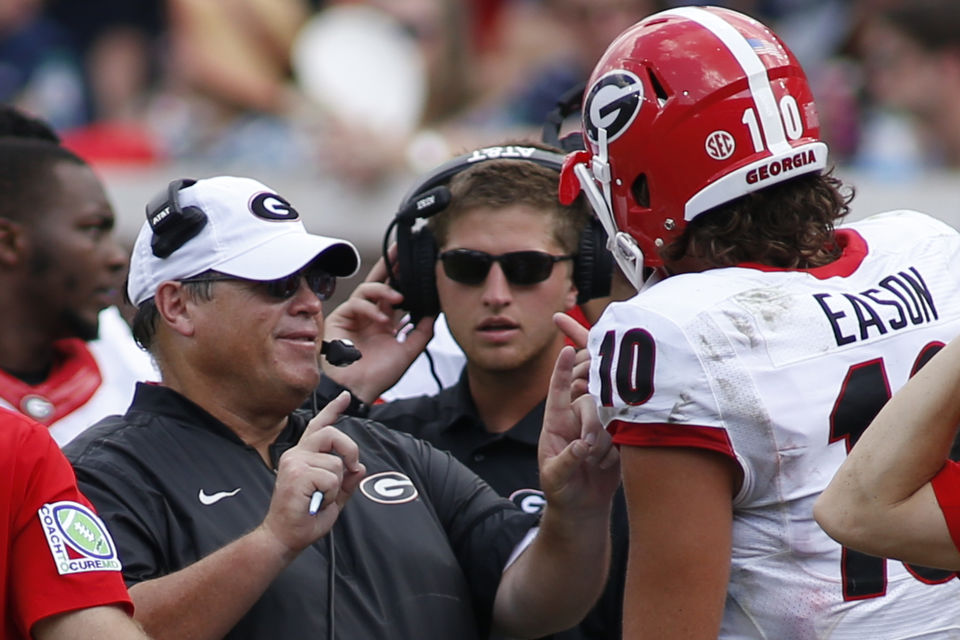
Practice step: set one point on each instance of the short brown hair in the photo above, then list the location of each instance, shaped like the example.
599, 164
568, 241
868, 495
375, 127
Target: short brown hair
497, 184
789, 225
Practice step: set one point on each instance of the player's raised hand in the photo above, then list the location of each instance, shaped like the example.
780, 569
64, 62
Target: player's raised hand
578, 335
576, 332
326, 460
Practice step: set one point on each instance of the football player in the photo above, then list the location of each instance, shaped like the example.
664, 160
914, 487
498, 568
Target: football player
764, 337
67, 358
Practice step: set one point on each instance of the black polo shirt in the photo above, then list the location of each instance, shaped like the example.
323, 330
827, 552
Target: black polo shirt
508, 462
174, 484
449, 421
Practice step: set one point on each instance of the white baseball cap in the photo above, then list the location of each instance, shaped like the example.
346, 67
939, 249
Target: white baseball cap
251, 232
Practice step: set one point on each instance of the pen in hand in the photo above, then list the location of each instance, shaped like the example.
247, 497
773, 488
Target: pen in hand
315, 500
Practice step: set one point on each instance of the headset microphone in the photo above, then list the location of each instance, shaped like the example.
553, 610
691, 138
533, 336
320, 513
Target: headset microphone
339, 353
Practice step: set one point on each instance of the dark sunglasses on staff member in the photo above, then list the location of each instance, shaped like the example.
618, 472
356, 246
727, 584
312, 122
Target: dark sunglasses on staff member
468, 266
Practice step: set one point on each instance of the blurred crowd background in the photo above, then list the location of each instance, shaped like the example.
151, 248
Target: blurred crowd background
340, 104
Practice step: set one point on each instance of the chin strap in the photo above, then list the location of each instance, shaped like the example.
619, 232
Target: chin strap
625, 249
598, 202
629, 258
600, 166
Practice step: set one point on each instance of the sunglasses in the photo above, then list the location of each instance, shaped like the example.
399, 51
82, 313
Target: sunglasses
520, 267
319, 281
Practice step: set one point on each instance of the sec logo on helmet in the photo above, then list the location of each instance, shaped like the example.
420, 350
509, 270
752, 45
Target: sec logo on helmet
720, 145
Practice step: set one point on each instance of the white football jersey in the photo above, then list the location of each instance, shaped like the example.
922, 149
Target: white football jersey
783, 370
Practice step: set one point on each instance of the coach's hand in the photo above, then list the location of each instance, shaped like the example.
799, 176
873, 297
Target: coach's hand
325, 460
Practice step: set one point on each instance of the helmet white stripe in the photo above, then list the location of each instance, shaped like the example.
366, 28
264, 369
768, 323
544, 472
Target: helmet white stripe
753, 68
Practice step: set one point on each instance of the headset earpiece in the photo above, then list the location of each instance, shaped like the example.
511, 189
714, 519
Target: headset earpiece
593, 267
172, 224
415, 277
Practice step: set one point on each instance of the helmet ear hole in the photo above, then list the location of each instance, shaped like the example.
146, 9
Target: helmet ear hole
658, 88
640, 190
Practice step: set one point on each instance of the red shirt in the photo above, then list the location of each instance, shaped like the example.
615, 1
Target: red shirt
48, 569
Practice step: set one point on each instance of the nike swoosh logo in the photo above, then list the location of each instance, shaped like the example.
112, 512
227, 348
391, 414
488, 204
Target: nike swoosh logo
216, 497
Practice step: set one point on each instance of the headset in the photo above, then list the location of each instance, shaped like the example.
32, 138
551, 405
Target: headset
173, 224
413, 273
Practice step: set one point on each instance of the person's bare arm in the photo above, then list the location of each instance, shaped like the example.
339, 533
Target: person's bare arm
679, 503
93, 623
556, 580
206, 599
880, 501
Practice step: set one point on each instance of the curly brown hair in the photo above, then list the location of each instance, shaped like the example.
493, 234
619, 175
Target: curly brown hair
788, 225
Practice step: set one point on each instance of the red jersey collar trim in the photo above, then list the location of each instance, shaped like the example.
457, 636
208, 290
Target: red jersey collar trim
853, 249
73, 380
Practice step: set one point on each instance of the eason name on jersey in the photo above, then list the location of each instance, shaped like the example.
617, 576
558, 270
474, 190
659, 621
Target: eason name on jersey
776, 167
78, 539
899, 300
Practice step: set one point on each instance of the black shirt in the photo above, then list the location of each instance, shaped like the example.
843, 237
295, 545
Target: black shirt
449, 421
508, 462
174, 484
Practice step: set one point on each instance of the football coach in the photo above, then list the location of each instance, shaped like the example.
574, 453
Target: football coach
229, 508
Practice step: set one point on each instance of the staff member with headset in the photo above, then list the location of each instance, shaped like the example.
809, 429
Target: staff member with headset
207, 480
499, 256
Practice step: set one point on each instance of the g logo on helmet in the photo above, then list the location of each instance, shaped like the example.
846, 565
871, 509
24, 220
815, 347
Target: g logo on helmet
612, 103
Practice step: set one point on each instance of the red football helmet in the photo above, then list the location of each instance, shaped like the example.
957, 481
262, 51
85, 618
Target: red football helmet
686, 110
